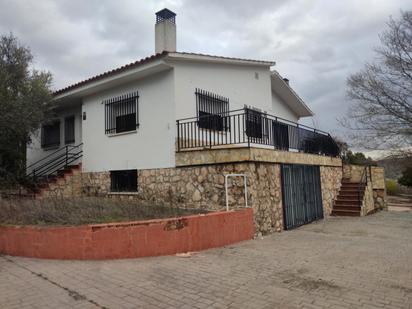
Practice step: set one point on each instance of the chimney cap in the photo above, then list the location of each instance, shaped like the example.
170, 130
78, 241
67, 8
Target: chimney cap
164, 15
286, 80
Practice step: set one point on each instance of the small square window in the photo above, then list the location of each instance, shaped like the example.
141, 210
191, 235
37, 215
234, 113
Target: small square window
123, 181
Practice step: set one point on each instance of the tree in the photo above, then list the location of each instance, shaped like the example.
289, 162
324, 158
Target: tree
357, 158
24, 103
406, 178
381, 114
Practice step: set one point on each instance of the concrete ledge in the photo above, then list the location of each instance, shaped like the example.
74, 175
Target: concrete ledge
244, 154
129, 239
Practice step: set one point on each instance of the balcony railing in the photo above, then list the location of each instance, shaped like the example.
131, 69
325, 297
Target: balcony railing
246, 127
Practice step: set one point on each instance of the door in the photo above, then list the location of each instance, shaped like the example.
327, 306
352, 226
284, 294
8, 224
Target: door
301, 194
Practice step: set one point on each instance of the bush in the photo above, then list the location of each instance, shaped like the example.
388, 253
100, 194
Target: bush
392, 187
406, 179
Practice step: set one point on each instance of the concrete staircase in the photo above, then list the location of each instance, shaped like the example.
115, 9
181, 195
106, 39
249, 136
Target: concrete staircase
349, 200
47, 186
56, 183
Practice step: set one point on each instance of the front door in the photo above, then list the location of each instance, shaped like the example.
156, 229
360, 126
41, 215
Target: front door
301, 194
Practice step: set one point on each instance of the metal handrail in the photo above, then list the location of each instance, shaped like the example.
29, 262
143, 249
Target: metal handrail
57, 163
283, 120
247, 127
363, 181
49, 155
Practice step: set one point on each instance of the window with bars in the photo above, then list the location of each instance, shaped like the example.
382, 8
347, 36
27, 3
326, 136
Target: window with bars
69, 130
212, 111
121, 113
50, 134
123, 181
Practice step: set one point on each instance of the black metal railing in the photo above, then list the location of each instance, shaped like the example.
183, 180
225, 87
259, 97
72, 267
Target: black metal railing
363, 182
246, 127
54, 162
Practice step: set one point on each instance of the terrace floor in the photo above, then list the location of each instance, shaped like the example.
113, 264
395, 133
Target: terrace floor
337, 263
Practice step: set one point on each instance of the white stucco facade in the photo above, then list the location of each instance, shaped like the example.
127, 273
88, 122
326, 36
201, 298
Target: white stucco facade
35, 151
150, 146
166, 93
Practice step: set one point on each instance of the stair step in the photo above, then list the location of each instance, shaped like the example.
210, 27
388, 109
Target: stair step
347, 213
346, 207
347, 202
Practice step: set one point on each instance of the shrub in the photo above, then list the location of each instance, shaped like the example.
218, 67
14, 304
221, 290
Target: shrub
392, 187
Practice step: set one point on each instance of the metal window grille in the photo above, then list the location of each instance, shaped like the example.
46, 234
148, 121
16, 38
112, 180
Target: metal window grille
121, 113
212, 110
123, 181
50, 134
69, 130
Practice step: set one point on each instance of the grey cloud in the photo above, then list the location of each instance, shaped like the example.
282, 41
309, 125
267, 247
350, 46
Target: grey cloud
316, 44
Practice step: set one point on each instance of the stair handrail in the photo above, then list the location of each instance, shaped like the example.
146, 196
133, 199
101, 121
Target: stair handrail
363, 181
66, 157
53, 153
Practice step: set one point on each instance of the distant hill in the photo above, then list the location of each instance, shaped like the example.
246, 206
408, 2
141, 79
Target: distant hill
394, 165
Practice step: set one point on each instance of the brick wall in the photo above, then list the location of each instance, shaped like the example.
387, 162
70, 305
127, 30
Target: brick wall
129, 239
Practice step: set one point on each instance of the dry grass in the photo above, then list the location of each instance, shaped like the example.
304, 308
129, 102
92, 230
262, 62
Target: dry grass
83, 211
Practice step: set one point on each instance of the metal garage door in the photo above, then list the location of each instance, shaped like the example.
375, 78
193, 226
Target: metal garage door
301, 193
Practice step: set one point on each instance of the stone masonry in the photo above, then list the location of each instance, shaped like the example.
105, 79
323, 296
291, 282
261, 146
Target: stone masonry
330, 178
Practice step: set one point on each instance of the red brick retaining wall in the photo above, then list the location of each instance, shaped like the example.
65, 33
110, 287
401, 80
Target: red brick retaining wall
129, 239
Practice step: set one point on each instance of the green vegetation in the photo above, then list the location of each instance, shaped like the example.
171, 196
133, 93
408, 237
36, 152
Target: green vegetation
392, 187
24, 103
406, 178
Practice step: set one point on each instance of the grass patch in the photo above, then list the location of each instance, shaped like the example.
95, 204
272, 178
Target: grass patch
83, 211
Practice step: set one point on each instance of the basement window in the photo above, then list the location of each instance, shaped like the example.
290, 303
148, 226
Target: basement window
50, 134
121, 113
212, 111
123, 181
69, 130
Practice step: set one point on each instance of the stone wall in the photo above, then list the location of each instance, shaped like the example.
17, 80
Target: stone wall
204, 187
330, 178
64, 187
375, 192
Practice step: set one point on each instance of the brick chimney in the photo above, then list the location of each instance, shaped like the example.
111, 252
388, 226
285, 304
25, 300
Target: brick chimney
165, 31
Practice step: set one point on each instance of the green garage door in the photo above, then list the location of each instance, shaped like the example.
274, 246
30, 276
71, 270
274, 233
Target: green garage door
301, 193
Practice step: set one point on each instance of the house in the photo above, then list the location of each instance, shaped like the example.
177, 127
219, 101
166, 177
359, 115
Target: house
178, 127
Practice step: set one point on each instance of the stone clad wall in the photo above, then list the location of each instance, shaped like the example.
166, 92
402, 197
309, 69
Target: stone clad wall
330, 178
203, 187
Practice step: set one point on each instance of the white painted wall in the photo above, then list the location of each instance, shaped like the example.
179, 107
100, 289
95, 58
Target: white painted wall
34, 150
151, 146
163, 98
238, 83
280, 109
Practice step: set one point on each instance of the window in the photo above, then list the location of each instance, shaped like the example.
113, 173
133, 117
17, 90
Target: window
50, 134
69, 130
123, 181
121, 113
254, 127
212, 111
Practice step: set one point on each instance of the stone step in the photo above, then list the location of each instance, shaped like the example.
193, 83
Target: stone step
346, 213
346, 207
347, 202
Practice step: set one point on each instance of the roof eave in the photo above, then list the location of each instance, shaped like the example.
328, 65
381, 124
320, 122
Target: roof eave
218, 59
292, 98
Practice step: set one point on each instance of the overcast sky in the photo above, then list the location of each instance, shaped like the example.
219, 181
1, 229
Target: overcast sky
316, 44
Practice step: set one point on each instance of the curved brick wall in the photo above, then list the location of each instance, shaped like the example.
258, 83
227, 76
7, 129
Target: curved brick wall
129, 239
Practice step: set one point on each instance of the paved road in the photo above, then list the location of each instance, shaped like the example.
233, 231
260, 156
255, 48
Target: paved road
339, 263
